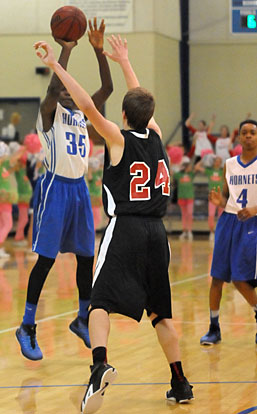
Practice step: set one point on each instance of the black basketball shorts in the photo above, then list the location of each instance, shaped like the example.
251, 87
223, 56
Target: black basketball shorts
132, 268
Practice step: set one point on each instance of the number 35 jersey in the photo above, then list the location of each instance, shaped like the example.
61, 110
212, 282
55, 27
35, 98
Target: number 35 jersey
66, 144
140, 183
242, 184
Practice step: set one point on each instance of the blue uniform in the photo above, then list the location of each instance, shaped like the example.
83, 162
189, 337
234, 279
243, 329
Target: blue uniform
234, 256
63, 219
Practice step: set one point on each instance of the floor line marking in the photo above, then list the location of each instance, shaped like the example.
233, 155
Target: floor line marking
41, 320
189, 279
128, 384
179, 282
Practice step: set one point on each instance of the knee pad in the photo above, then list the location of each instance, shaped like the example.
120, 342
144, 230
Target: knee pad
156, 320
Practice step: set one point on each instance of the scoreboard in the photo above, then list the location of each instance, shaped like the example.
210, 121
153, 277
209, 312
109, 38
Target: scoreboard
244, 16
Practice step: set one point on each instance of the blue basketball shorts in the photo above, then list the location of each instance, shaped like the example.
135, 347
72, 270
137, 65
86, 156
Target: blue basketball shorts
234, 256
63, 218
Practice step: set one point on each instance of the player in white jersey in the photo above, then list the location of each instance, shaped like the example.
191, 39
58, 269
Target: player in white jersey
132, 266
234, 257
63, 219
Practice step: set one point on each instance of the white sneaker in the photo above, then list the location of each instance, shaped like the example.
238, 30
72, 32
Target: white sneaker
211, 236
183, 236
3, 254
190, 235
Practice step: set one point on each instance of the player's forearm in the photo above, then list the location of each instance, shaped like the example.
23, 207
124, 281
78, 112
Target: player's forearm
105, 73
78, 94
129, 74
55, 83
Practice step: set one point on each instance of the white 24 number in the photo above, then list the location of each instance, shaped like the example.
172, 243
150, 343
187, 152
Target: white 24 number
141, 176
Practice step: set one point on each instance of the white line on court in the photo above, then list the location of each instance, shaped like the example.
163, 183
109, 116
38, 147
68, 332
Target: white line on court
178, 282
190, 279
41, 320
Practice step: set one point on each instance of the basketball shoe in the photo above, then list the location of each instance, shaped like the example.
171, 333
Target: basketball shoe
26, 335
213, 336
181, 391
183, 236
80, 327
102, 375
4, 254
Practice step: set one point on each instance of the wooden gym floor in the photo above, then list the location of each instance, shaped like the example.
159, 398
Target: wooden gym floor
224, 376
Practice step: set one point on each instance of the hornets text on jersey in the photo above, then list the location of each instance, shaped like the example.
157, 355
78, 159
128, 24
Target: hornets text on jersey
66, 144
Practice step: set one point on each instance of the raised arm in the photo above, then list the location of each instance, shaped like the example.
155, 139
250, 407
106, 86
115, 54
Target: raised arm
119, 54
108, 130
48, 106
211, 124
96, 38
189, 120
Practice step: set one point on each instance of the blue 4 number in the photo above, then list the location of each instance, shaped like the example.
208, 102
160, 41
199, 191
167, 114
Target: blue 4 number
72, 146
242, 199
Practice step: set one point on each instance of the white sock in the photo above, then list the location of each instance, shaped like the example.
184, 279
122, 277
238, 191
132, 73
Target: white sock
214, 314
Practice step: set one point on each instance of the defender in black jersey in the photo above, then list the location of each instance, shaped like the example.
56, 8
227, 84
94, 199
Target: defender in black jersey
132, 267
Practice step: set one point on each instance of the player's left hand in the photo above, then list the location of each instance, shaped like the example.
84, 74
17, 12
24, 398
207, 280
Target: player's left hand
246, 213
48, 58
95, 35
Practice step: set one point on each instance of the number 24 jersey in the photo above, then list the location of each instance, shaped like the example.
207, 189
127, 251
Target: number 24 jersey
140, 183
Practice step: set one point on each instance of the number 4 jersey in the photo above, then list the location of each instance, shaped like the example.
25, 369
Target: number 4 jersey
242, 184
66, 144
140, 183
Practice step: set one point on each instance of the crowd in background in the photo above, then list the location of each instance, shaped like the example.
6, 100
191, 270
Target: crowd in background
21, 164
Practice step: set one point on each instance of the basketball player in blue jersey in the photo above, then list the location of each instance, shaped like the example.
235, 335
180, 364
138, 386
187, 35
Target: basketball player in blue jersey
234, 257
132, 267
63, 219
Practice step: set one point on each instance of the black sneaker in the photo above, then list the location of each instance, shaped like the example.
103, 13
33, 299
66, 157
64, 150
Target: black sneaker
80, 327
181, 391
213, 336
102, 375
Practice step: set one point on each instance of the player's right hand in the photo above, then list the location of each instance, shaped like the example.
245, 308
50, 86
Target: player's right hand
66, 45
48, 58
215, 197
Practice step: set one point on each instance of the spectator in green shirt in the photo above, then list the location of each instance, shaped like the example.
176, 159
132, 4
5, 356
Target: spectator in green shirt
184, 180
215, 180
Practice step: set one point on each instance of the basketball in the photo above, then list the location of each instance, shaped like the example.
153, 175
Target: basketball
68, 23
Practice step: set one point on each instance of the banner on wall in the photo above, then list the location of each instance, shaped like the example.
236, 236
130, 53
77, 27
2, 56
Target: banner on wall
118, 14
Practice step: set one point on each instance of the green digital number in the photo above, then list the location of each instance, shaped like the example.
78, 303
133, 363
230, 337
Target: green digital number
251, 21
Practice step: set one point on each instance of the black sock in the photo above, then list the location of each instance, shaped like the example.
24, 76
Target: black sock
99, 354
177, 371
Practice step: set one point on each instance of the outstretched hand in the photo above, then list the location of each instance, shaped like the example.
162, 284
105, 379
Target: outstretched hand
216, 197
95, 35
48, 58
119, 49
